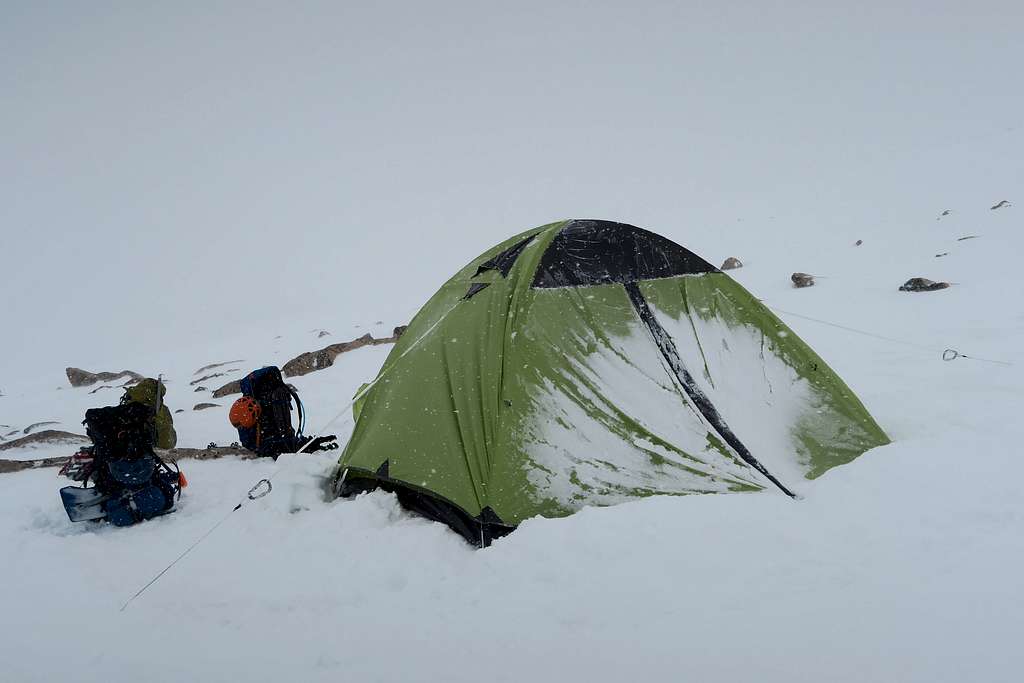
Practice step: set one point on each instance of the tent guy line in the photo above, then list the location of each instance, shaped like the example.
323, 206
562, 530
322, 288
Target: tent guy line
946, 354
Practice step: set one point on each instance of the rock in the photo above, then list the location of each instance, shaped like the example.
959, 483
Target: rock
967, 237
179, 410
233, 387
28, 430
1001, 205
945, 253
399, 331
802, 280
323, 333
47, 437
311, 361
83, 378
211, 452
922, 284
200, 388
211, 366
206, 377
944, 213
858, 243
7, 466
173, 455
205, 406
731, 263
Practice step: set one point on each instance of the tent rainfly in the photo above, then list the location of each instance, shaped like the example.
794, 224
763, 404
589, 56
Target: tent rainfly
588, 362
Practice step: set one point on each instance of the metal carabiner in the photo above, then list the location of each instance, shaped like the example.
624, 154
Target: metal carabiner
256, 492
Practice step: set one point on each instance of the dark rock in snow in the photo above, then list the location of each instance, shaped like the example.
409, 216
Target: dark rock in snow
1001, 205
323, 333
179, 410
858, 243
233, 387
28, 430
311, 361
47, 437
802, 279
922, 284
944, 213
204, 406
206, 377
200, 388
211, 366
967, 237
731, 263
83, 378
945, 253
7, 466
211, 452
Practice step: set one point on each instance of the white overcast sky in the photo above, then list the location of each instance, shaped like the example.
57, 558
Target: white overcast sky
175, 171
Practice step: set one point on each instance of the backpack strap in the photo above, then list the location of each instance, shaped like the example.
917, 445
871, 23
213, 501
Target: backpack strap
301, 410
161, 465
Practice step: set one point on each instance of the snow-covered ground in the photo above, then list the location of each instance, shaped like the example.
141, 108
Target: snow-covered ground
182, 188
904, 565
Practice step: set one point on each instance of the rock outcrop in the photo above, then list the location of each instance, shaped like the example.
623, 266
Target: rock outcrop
312, 361
802, 280
922, 284
211, 366
232, 387
47, 437
33, 426
83, 378
205, 406
731, 263
172, 455
1001, 205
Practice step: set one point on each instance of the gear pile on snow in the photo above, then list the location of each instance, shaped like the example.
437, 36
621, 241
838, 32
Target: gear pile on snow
131, 483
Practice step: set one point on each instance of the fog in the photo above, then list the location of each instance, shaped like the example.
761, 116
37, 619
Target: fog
176, 172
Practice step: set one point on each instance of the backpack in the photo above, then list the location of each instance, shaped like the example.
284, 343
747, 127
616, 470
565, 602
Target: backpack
273, 433
122, 431
132, 483
143, 488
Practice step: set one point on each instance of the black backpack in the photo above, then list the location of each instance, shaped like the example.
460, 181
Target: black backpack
273, 434
123, 431
132, 483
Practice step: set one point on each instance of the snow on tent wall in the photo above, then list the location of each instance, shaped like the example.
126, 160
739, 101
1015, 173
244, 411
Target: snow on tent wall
594, 412
797, 417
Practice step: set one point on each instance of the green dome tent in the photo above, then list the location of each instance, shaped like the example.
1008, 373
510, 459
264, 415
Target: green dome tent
586, 363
